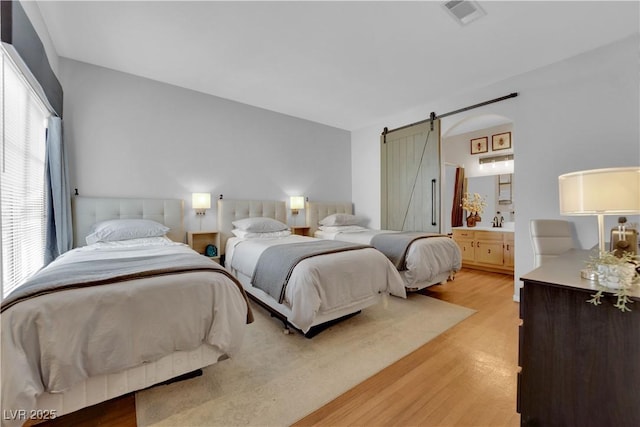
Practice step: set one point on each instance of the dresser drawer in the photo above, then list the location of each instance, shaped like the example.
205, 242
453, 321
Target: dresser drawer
489, 235
463, 234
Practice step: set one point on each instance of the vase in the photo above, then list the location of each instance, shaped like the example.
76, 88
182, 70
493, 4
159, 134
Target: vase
471, 220
477, 218
615, 276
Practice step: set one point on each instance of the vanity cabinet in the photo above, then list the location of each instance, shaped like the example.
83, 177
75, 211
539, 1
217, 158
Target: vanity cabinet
486, 250
509, 253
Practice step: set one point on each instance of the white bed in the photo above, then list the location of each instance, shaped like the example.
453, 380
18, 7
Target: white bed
429, 261
316, 292
48, 386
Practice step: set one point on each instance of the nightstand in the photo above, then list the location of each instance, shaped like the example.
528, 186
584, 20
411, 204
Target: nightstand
198, 241
300, 230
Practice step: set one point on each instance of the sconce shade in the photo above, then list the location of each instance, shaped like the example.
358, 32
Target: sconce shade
201, 201
296, 202
613, 191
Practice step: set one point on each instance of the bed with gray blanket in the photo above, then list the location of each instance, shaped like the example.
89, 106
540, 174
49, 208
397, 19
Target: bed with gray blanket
114, 317
324, 282
423, 259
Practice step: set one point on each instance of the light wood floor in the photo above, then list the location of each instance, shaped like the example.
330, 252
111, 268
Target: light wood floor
464, 377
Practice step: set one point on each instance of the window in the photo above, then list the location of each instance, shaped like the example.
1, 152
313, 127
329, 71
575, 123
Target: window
22, 190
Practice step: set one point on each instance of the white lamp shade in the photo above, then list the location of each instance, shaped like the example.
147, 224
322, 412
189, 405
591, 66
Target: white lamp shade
296, 202
613, 191
201, 200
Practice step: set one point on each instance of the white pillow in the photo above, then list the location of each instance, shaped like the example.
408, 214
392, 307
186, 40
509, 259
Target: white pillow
341, 219
259, 225
267, 235
142, 241
125, 229
341, 228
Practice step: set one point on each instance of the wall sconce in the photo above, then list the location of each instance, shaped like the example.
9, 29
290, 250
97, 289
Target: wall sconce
612, 191
201, 202
295, 204
493, 159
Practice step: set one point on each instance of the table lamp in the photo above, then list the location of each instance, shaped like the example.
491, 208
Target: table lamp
600, 192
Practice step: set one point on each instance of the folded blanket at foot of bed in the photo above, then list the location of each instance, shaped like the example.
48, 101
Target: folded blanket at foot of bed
277, 262
396, 245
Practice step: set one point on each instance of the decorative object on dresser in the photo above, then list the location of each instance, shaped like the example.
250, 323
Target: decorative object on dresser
614, 272
579, 363
624, 238
612, 191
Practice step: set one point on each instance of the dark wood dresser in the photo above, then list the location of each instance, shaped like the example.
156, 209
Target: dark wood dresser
579, 363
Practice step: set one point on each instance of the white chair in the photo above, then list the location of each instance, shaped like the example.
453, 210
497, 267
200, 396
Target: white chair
550, 238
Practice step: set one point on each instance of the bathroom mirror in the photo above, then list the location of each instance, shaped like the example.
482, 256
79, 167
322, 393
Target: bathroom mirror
498, 193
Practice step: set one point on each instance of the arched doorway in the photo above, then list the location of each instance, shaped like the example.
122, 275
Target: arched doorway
483, 178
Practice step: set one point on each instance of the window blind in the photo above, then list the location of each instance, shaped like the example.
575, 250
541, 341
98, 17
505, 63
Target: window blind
22, 196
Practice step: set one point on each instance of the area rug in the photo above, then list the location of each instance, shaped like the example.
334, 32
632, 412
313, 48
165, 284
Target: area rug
278, 379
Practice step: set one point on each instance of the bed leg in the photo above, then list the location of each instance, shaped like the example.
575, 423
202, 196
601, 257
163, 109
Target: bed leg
285, 327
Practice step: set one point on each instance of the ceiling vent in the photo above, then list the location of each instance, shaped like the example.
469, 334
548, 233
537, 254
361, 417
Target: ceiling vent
464, 11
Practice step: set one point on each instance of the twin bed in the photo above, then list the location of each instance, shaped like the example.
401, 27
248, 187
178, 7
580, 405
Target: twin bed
320, 289
423, 259
68, 348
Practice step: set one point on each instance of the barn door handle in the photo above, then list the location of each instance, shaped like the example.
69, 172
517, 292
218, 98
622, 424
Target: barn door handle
433, 202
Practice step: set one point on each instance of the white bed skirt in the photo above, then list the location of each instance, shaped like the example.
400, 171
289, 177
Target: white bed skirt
98, 389
286, 311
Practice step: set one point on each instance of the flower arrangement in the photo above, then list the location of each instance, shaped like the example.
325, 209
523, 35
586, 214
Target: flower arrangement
616, 273
473, 204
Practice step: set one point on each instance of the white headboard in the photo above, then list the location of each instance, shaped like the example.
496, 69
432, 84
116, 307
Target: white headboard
89, 210
232, 210
315, 211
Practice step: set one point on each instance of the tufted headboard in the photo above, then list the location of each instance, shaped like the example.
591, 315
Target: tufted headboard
315, 211
89, 210
232, 210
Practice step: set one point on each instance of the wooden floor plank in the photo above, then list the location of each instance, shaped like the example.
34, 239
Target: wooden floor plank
465, 376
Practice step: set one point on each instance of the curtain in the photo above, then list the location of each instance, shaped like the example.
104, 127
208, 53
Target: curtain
59, 237
456, 209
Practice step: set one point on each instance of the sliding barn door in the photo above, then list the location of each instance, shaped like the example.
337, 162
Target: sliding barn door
411, 178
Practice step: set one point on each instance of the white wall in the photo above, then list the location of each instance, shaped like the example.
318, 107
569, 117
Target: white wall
580, 113
129, 136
